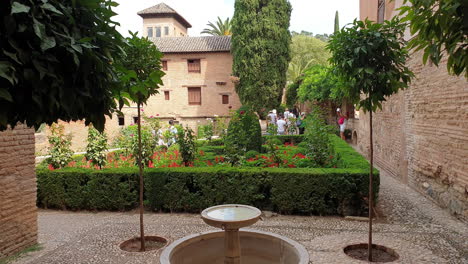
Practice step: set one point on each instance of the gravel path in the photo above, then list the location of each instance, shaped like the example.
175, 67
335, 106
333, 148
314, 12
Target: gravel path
416, 228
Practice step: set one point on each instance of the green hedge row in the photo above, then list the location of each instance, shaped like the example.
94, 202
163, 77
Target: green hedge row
296, 191
293, 191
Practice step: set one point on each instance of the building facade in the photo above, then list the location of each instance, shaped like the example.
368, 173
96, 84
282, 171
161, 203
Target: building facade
421, 134
196, 85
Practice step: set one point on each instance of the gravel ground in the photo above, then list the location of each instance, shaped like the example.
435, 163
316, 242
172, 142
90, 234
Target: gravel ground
416, 228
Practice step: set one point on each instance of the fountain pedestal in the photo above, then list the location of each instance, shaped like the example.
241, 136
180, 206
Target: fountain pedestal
231, 217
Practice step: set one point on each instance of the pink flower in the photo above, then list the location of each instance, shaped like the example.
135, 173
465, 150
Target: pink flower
157, 114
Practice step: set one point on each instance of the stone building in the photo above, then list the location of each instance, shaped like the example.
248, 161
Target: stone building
196, 86
18, 212
421, 135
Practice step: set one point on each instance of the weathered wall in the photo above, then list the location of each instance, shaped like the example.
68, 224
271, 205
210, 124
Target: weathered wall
421, 136
18, 212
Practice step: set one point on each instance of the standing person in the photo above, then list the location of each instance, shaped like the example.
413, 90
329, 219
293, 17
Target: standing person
173, 131
300, 123
281, 125
271, 118
341, 123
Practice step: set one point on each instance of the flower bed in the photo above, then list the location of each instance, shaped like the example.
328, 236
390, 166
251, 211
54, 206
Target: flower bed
286, 190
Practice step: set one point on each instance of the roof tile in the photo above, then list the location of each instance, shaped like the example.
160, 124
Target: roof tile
193, 44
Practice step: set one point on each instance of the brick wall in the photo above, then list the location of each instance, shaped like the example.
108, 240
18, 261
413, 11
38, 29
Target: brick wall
18, 212
421, 136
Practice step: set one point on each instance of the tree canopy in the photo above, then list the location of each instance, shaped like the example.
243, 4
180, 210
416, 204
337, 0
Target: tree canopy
440, 27
370, 59
221, 28
320, 84
260, 48
139, 70
56, 61
306, 51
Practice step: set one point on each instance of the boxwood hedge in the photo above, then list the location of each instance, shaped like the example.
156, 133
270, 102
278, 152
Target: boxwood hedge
331, 191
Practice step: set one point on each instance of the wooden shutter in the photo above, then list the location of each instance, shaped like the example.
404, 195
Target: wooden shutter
225, 99
194, 66
164, 65
166, 95
194, 95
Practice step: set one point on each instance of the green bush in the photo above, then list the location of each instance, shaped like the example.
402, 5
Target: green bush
216, 142
302, 145
317, 137
244, 132
97, 147
60, 151
128, 142
187, 146
251, 154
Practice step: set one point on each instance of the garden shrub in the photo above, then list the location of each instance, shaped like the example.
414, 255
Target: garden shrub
216, 142
317, 137
302, 145
217, 150
294, 139
60, 151
128, 142
187, 146
251, 154
244, 132
97, 147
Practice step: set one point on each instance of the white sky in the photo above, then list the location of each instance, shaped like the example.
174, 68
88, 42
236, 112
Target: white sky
316, 16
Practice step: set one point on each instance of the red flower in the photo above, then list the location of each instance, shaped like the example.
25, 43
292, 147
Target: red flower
299, 155
291, 166
241, 112
216, 159
222, 158
331, 157
202, 153
251, 159
209, 163
150, 164
51, 167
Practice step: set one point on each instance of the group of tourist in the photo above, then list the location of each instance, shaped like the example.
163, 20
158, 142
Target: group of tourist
167, 137
287, 123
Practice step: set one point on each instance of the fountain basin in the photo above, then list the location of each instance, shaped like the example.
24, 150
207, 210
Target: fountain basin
257, 247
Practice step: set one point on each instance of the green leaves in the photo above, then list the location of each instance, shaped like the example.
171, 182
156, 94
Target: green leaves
439, 28
55, 62
139, 70
369, 58
19, 8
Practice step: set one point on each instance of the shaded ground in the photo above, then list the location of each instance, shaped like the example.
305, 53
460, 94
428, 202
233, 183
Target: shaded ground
416, 228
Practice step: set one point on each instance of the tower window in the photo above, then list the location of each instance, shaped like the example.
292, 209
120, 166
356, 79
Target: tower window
166, 31
150, 32
158, 32
164, 65
166, 95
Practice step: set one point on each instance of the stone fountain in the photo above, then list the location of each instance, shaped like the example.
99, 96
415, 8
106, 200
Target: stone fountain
234, 246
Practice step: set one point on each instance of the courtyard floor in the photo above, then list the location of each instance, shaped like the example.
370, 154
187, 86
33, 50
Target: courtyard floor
416, 228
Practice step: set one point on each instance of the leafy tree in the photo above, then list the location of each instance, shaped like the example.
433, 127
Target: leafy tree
440, 27
323, 37
260, 48
370, 58
337, 23
222, 28
97, 147
291, 92
306, 51
320, 84
56, 61
140, 74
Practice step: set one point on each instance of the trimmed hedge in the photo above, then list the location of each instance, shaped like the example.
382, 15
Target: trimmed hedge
293, 191
286, 138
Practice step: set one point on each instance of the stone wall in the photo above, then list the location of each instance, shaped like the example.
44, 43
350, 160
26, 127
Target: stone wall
421, 136
18, 212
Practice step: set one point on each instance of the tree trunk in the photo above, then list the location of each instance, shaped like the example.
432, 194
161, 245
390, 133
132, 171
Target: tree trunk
371, 196
140, 165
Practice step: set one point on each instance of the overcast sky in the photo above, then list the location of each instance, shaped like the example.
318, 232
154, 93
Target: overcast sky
316, 16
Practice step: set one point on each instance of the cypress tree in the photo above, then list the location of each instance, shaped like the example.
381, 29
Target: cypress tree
337, 23
260, 48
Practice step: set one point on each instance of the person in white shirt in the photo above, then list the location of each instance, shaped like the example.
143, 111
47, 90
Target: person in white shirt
281, 125
271, 118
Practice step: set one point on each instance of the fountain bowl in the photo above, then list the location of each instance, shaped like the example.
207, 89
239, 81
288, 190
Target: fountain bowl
257, 247
231, 216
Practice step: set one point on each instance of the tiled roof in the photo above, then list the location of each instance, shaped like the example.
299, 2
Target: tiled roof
193, 44
162, 9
